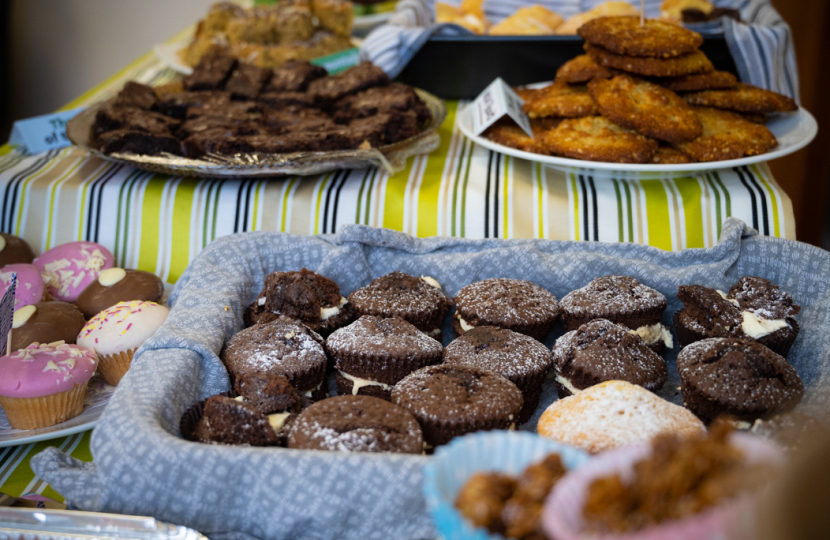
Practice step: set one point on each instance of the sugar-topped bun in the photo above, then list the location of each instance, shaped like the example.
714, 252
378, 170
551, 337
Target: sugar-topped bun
614, 414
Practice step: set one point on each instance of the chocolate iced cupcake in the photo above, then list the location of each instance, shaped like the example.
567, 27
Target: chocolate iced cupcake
46, 322
313, 299
600, 351
514, 304
279, 347
449, 401
767, 311
740, 378
230, 421
356, 424
119, 285
14, 250
418, 301
519, 358
372, 354
622, 300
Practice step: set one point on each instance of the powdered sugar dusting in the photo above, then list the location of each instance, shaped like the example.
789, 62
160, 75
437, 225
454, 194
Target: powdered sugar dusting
510, 301
621, 294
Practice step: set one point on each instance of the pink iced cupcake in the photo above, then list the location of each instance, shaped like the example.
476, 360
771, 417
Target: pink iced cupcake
44, 385
71, 267
31, 284
117, 332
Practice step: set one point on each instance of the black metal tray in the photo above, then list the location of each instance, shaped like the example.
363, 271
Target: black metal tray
460, 67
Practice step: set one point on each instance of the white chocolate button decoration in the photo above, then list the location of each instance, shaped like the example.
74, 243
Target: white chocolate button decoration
111, 276
2, 243
22, 315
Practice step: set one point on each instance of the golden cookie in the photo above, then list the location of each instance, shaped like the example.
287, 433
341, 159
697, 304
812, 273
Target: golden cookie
595, 138
558, 99
582, 69
509, 134
645, 107
666, 155
624, 35
743, 98
693, 62
727, 135
700, 81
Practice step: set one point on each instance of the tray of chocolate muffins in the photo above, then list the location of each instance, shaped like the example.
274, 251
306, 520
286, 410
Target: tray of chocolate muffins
229, 118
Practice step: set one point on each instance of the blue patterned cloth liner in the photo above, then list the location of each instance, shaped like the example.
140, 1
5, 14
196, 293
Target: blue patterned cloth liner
142, 466
761, 45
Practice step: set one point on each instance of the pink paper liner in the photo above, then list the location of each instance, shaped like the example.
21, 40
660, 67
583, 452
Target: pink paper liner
562, 516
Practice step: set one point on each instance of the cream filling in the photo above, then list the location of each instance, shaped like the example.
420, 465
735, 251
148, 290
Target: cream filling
433, 333
755, 326
308, 393
464, 326
567, 384
431, 282
329, 312
358, 383
277, 420
654, 333
261, 301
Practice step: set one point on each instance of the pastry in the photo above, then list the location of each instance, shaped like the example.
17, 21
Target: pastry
373, 353
514, 304
417, 300
117, 332
30, 287
73, 266
532, 20
623, 300
44, 385
740, 378
516, 357
606, 9
46, 322
449, 401
119, 285
282, 346
14, 250
614, 414
600, 351
356, 424
229, 421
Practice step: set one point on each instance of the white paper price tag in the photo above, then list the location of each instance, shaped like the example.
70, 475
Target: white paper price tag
495, 102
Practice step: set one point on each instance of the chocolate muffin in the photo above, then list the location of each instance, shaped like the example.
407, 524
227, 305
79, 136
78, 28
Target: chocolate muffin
273, 396
119, 285
46, 322
793, 431
313, 299
372, 354
600, 351
706, 313
418, 301
356, 424
622, 300
514, 304
14, 250
279, 347
230, 421
521, 359
740, 378
449, 401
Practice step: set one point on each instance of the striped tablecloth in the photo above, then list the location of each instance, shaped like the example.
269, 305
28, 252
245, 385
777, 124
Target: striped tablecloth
159, 223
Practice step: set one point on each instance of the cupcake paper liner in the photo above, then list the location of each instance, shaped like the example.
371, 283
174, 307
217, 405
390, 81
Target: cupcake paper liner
45, 411
562, 516
114, 366
504, 451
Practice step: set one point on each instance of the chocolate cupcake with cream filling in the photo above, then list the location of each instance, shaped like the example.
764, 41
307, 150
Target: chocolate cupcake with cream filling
514, 304
230, 421
15, 250
449, 401
119, 285
622, 300
417, 300
356, 424
743, 379
600, 351
313, 299
373, 353
279, 347
46, 322
521, 359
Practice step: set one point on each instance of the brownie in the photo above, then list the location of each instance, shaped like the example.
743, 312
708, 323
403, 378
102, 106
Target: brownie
360, 77
623, 300
228, 421
313, 299
390, 98
210, 73
177, 104
793, 431
765, 301
224, 127
113, 117
279, 100
600, 351
740, 378
247, 81
137, 142
294, 118
416, 300
280, 347
513, 304
517, 357
136, 95
449, 401
213, 141
268, 393
241, 111
705, 314
294, 76
373, 353
382, 129
356, 424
